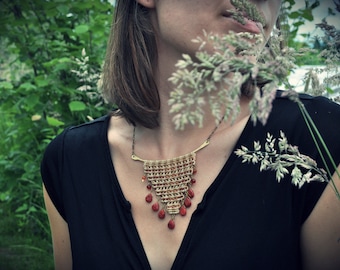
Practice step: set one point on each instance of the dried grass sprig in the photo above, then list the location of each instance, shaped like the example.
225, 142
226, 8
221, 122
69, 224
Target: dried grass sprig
279, 156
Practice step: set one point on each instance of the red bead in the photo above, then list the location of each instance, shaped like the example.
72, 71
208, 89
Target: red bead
171, 224
149, 187
155, 207
193, 181
194, 171
161, 214
187, 202
148, 198
143, 178
191, 193
183, 211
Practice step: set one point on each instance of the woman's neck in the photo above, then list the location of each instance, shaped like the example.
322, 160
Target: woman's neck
169, 142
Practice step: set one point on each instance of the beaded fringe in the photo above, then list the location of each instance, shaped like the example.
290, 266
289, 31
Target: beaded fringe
170, 180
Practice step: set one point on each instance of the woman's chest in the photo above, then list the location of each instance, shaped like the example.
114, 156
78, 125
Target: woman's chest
163, 206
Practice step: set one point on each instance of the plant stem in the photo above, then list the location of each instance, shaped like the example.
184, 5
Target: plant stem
314, 131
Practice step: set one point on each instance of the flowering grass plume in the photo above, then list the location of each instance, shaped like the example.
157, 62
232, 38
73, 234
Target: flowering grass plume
89, 78
246, 10
284, 159
214, 79
218, 80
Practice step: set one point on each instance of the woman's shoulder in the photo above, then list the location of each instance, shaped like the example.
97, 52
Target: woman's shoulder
76, 137
322, 110
317, 103
288, 117
324, 119
89, 130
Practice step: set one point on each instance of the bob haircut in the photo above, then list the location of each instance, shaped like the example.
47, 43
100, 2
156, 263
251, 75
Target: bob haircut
128, 80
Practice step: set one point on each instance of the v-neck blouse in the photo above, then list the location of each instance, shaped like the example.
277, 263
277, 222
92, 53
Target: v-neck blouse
246, 219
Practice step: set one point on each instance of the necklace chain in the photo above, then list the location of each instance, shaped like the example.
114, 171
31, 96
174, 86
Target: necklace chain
206, 142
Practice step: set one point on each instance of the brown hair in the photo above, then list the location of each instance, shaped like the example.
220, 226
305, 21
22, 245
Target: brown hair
128, 80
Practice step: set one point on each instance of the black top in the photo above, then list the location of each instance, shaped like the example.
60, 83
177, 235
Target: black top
246, 219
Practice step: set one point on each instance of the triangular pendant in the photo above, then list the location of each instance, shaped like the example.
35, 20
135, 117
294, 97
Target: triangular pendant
170, 180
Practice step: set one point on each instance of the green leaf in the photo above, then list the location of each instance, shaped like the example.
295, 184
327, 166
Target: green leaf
54, 122
22, 208
330, 90
307, 14
315, 4
331, 12
294, 15
41, 81
6, 85
63, 9
32, 209
57, 61
31, 101
80, 29
76, 106
298, 23
28, 86
4, 196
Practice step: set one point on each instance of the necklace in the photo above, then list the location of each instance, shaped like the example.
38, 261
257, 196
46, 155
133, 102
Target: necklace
171, 181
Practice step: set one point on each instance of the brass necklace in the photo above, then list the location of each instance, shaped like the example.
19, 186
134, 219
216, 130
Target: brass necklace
171, 181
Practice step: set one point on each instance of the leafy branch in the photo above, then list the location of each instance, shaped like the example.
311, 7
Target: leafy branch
217, 79
284, 159
219, 76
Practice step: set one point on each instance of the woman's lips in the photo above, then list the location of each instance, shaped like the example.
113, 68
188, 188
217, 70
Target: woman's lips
248, 26
251, 26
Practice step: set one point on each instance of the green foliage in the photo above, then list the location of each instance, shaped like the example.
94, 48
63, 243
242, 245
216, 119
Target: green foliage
309, 56
291, 19
23, 250
45, 45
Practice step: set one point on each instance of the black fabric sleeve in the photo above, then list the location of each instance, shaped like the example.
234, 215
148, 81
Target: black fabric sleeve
51, 171
287, 117
326, 117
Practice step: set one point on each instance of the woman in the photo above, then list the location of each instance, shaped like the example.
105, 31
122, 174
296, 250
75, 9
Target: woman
101, 203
